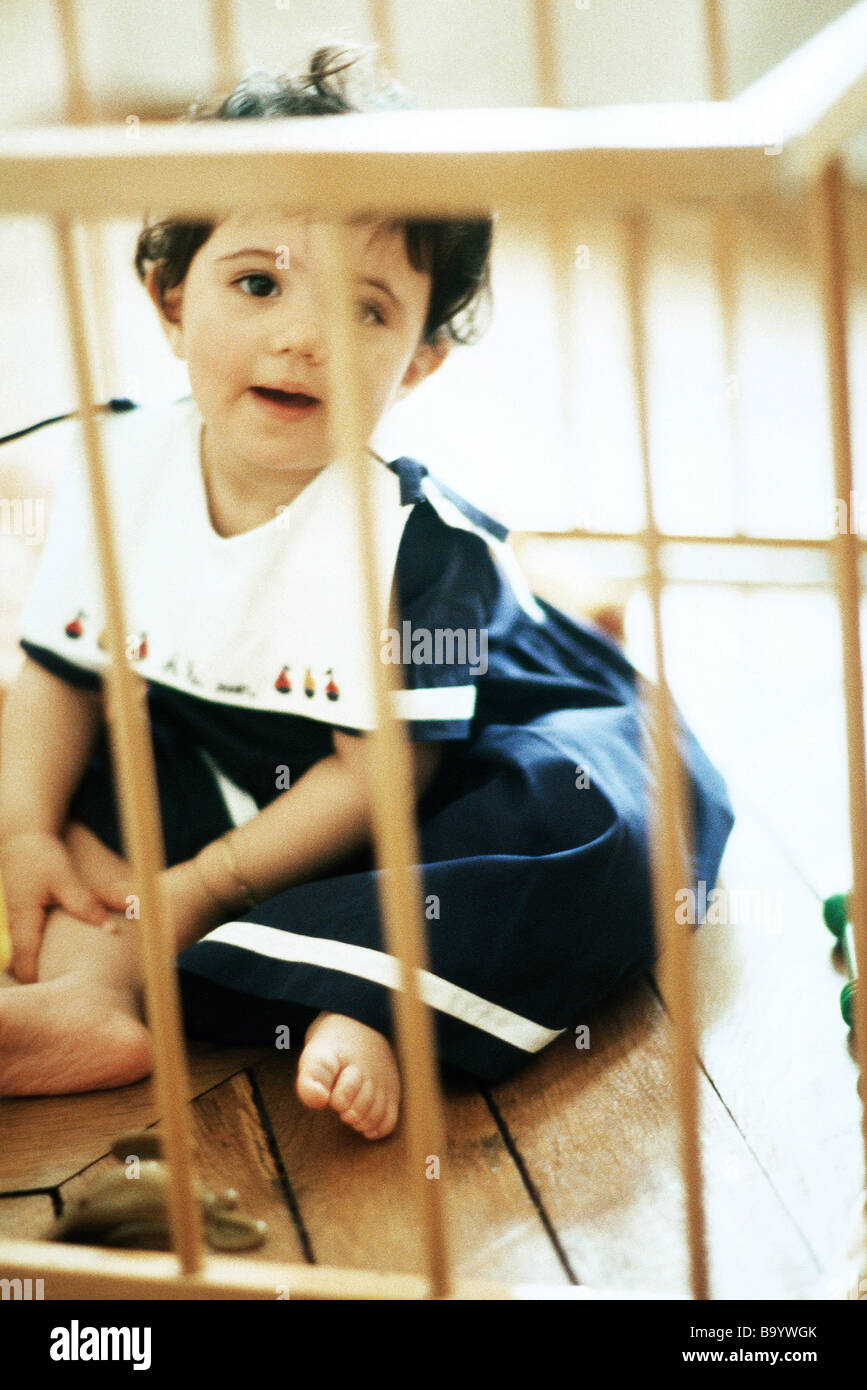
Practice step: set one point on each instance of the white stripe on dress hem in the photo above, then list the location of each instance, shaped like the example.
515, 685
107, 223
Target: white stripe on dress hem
369, 964
436, 702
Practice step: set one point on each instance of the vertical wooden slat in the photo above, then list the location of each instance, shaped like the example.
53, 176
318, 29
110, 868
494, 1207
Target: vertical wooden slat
716, 54
382, 24
828, 210
135, 781
78, 102
671, 833
724, 224
545, 50
561, 250
560, 247
223, 41
80, 111
393, 802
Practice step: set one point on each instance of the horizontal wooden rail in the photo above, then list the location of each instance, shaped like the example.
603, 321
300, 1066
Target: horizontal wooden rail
83, 1272
801, 110
673, 538
817, 95
456, 162
743, 566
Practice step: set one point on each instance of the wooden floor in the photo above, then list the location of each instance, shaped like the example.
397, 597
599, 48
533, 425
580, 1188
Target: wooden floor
569, 1172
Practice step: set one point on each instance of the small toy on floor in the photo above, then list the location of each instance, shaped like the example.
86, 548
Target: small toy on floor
132, 1211
850, 1281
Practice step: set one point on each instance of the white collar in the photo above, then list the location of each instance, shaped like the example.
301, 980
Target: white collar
232, 619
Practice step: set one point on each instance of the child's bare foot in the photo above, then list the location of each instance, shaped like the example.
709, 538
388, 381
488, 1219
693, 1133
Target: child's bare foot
352, 1068
74, 1033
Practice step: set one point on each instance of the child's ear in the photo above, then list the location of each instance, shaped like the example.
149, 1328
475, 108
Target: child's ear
169, 305
426, 359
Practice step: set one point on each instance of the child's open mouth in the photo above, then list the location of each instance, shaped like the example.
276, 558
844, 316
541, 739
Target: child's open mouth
290, 405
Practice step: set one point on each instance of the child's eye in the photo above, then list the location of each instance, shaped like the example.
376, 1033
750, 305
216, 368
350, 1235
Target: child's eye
370, 307
257, 279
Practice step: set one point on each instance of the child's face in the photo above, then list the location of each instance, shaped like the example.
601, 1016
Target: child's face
251, 315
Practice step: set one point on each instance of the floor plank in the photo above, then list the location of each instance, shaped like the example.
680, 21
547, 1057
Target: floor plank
26, 1218
773, 1040
356, 1205
600, 1142
230, 1149
47, 1139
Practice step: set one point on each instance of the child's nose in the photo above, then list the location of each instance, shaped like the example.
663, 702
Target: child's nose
300, 327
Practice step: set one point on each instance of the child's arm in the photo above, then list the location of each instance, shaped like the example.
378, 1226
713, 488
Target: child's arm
48, 732
306, 831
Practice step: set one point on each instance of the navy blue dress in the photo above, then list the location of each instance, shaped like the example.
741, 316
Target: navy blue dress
533, 833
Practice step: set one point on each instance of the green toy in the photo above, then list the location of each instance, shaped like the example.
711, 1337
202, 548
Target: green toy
835, 911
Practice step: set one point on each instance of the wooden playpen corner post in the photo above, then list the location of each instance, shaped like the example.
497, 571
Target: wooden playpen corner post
827, 208
135, 782
392, 800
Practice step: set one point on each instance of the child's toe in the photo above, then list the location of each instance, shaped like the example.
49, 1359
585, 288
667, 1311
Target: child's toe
317, 1074
376, 1112
356, 1113
388, 1123
347, 1088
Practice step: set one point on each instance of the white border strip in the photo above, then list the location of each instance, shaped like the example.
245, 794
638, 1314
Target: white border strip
240, 805
453, 516
436, 702
373, 965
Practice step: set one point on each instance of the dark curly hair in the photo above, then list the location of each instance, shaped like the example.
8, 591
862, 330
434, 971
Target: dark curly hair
456, 254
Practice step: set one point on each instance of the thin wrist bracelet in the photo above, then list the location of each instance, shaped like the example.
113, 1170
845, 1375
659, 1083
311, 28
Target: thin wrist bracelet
232, 865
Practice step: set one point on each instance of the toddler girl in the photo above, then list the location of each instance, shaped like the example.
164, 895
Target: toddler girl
235, 531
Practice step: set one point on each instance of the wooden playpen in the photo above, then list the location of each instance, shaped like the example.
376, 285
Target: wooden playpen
783, 135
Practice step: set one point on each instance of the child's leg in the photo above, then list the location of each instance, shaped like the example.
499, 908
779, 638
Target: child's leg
98, 865
345, 1065
80, 1028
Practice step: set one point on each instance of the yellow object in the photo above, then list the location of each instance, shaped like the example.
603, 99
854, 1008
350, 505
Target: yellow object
5, 938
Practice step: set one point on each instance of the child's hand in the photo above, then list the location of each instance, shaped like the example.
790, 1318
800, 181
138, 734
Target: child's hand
38, 872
